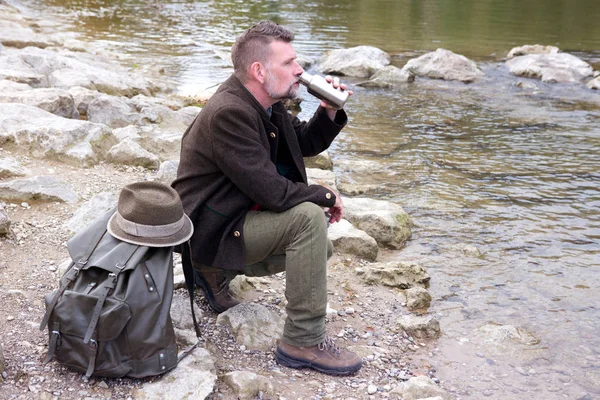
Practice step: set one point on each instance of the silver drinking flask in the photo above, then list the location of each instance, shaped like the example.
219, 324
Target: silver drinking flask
320, 88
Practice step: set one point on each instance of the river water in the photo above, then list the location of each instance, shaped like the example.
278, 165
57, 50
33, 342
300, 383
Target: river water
512, 170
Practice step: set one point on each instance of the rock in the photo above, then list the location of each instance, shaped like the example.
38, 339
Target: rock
402, 275
167, 171
444, 64
420, 387
371, 389
185, 336
387, 77
13, 68
194, 378
320, 161
531, 49
305, 61
468, 249
131, 132
254, 326
129, 152
248, 385
115, 112
13, 34
55, 101
505, 336
67, 69
92, 209
10, 167
349, 240
420, 326
355, 189
82, 97
242, 283
42, 134
181, 313
360, 61
321, 177
553, 68
4, 229
417, 298
63, 266
167, 145
10, 86
39, 188
2, 364
594, 83
385, 221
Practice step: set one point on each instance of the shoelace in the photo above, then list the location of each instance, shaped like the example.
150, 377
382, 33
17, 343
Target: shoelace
329, 344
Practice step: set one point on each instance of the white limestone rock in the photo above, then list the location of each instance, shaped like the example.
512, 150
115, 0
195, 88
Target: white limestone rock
446, 65
349, 240
420, 326
552, 68
402, 275
10, 168
92, 209
360, 61
194, 378
385, 221
248, 385
129, 152
389, 77
531, 49
253, 325
45, 135
38, 188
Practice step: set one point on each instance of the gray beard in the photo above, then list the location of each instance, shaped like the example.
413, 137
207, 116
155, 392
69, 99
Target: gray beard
290, 93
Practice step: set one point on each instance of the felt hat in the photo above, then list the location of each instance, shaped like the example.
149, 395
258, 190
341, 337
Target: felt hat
150, 214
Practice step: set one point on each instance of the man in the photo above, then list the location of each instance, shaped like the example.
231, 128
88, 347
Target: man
243, 183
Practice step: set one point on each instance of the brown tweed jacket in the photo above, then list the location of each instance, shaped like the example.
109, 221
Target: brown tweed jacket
228, 164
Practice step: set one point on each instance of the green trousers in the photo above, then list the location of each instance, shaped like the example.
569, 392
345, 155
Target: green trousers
294, 241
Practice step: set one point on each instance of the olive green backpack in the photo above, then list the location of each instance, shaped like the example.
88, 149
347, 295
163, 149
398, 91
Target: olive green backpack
110, 315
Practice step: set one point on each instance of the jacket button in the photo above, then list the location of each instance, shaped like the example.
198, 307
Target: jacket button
236, 233
272, 134
328, 196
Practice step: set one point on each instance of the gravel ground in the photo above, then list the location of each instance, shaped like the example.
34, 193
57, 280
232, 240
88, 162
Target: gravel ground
29, 259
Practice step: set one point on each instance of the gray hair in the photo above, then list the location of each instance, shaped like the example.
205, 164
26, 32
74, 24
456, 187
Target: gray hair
253, 45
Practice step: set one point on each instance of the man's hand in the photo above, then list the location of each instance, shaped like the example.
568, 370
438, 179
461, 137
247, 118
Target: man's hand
337, 210
335, 82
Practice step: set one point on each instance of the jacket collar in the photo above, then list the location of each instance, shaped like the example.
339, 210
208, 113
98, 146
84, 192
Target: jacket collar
234, 86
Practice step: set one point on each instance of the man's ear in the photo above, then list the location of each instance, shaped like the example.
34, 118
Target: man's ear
258, 72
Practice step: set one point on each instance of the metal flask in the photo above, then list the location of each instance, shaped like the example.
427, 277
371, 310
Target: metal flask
320, 88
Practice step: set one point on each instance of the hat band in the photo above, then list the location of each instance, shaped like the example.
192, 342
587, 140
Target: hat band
149, 231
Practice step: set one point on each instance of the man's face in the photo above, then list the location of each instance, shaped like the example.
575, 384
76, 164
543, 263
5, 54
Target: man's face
282, 71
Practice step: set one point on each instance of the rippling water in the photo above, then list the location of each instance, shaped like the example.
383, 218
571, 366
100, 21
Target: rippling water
514, 171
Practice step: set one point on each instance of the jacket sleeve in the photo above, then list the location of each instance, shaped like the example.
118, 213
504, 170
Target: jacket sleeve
244, 158
317, 134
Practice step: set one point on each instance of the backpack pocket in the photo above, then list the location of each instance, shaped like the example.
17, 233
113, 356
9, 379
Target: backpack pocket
107, 352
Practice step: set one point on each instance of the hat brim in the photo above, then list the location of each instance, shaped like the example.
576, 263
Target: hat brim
180, 236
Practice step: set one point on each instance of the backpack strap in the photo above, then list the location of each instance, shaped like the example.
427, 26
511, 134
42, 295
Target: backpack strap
54, 342
93, 349
109, 285
188, 272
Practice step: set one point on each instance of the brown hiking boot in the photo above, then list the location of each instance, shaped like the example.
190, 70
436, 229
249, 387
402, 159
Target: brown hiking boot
325, 357
214, 283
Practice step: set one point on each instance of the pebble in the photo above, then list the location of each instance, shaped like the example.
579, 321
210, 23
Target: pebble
372, 389
521, 371
10, 318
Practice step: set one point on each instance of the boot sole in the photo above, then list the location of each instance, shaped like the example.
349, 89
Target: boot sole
207, 292
291, 362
